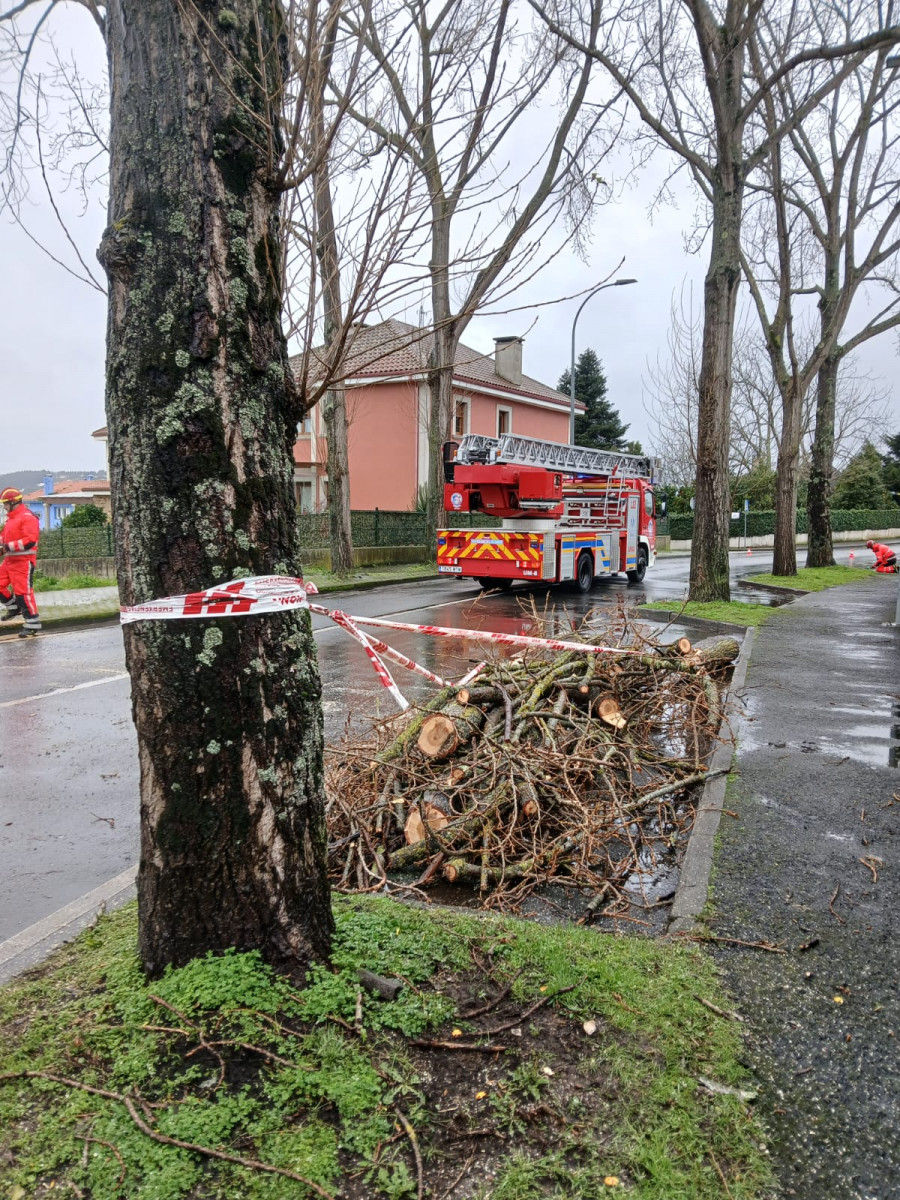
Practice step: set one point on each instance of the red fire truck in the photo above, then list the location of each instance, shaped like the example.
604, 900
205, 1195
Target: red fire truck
567, 513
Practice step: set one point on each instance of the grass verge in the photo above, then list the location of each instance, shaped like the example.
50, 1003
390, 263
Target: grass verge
222, 1080
731, 611
813, 579
52, 583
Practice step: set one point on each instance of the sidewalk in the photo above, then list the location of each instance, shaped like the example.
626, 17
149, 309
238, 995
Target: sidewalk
812, 863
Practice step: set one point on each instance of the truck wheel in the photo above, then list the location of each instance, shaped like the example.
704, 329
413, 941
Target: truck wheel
584, 573
495, 585
637, 575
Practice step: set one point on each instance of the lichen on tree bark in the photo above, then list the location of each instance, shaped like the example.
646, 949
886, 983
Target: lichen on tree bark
202, 416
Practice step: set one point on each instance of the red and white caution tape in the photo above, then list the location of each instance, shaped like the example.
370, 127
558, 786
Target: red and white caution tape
340, 618
503, 639
280, 593
237, 598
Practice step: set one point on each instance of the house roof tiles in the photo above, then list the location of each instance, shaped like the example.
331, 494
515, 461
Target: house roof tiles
69, 487
395, 348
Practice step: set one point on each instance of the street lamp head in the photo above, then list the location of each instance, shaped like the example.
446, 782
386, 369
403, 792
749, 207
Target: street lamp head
623, 282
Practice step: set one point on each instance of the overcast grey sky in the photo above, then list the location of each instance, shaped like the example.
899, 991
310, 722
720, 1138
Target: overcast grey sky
52, 327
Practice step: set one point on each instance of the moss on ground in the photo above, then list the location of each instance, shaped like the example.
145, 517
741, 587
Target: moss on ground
193, 1085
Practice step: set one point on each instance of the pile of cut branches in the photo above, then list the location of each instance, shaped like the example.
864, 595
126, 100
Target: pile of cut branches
568, 767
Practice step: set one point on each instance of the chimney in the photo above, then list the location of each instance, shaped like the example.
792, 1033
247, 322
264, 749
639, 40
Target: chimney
48, 485
508, 358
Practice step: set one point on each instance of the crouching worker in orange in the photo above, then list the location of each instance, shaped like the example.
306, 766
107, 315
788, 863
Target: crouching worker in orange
885, 557
20, 539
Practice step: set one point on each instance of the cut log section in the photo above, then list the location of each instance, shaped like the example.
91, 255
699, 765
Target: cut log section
438, 737
714, 652
608, 710
432, 814
443, 732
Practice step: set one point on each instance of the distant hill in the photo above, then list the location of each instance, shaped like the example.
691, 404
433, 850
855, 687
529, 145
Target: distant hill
30, 481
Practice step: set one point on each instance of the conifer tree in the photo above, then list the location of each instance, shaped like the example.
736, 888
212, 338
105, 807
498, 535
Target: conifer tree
861, 484
599, 426
890, 466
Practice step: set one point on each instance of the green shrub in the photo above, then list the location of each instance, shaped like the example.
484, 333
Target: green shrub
762, 524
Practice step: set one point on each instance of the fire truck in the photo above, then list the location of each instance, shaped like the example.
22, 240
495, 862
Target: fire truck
566, 513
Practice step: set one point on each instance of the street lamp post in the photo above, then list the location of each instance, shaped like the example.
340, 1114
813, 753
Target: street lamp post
615, 283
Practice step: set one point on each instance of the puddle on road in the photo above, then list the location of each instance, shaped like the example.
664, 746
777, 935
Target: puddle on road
751, 595
874, 741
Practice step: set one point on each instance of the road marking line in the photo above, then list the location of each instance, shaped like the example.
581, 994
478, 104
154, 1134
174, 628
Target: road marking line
76, 687
25, 939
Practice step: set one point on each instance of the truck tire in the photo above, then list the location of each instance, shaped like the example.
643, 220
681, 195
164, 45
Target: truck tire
584, 572
637, 575
495, 585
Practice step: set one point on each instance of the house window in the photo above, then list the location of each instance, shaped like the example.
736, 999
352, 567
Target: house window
306, 424
305, 495
461, 418
504, 420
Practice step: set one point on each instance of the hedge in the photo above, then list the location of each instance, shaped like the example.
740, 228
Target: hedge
762, 524
92, 541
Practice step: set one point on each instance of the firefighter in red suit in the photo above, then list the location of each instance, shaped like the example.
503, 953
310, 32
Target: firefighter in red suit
20, 539
885, 557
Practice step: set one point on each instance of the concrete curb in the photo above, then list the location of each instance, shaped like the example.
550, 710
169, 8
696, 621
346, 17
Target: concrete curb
30, 946
693, 884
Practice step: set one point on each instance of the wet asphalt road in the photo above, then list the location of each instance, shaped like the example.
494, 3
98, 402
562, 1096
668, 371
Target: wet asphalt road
68, 761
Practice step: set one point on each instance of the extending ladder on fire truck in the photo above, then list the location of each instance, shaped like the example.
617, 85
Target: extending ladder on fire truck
573, 461
534, 452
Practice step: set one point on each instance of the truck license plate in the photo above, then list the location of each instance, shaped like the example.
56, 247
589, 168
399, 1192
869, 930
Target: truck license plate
451, 570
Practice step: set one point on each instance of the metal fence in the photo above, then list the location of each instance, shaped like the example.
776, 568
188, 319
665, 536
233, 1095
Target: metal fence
378, 527
375, 527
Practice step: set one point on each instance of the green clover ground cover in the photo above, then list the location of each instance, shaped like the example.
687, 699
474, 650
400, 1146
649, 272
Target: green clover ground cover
224, 1080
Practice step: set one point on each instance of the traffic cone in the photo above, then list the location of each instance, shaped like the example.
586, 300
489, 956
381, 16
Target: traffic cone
749, 551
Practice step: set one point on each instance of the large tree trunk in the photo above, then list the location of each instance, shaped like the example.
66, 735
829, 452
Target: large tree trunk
709, 544
334, 412
820, 551
440, 374
202, 415
785, 558
334, 404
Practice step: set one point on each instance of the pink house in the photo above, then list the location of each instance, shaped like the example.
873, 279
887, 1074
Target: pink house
388, 405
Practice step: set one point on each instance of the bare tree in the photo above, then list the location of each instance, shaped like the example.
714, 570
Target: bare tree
684, 67
831, 188
453, 105
202, 413
349, 258
670, 400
